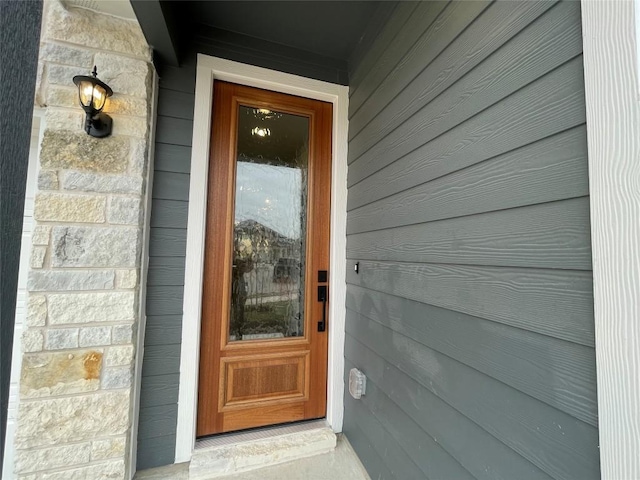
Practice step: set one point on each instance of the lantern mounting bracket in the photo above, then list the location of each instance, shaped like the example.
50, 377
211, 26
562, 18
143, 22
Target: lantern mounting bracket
99, 126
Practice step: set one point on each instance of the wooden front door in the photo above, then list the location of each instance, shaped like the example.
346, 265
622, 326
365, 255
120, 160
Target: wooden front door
263, 346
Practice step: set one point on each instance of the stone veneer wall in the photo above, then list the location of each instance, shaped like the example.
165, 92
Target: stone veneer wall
76, 385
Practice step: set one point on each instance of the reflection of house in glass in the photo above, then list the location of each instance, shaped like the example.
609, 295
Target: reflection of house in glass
266, 293
268, 245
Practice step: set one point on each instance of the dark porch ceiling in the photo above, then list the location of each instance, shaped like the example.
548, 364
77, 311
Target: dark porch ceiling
328, 28
325, 33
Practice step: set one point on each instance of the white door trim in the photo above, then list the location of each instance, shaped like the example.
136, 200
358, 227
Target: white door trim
210, 69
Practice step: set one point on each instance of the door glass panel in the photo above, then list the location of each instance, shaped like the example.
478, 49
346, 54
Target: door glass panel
267, 280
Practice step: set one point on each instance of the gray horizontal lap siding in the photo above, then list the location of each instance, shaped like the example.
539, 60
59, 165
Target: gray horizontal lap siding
165, 279
468, 211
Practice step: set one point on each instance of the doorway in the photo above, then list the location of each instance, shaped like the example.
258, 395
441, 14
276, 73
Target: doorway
264, 329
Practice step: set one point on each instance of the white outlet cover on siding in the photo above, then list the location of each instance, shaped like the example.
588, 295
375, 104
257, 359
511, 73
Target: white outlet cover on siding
357, 383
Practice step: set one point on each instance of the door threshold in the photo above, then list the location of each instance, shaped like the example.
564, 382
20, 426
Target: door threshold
240, 452
258, 434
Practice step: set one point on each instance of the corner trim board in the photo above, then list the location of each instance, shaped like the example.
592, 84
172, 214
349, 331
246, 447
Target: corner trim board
612, 80
210, 69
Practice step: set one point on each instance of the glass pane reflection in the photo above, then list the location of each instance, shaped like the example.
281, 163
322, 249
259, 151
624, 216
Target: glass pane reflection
267, 281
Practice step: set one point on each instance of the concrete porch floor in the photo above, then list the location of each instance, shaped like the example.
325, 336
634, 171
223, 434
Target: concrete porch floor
340, 464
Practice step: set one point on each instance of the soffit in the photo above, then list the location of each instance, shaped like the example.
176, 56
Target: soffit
328, 28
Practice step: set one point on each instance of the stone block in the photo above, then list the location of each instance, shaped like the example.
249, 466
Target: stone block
48, 180
92, 29
121, 334
28, 477
51, 458
74, 149
125, 105
55, 421
77, 57
38, 254
138, 156
91, 308
95, 246
36, 311
39, 99
63, 74
61, 119
95, 336
108, 448
41, 235
125, 75
91, 182
61, 338
58, 96
127, 278
69, 280
262, 452
32, 340
113, 470
119, 356
58, 207
49, 374
124, 211
117, 377
132, 126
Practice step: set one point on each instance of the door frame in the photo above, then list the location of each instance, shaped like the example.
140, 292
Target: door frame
208, 70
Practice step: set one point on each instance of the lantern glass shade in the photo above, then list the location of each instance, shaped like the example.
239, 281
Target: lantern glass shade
92, 95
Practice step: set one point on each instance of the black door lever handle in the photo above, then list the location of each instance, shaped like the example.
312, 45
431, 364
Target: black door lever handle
322, 297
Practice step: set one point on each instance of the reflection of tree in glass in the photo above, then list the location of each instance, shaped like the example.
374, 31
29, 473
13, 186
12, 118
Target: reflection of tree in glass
242, 263
264, 299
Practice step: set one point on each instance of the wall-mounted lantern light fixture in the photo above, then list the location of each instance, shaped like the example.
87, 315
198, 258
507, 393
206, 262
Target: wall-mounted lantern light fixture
93, 96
